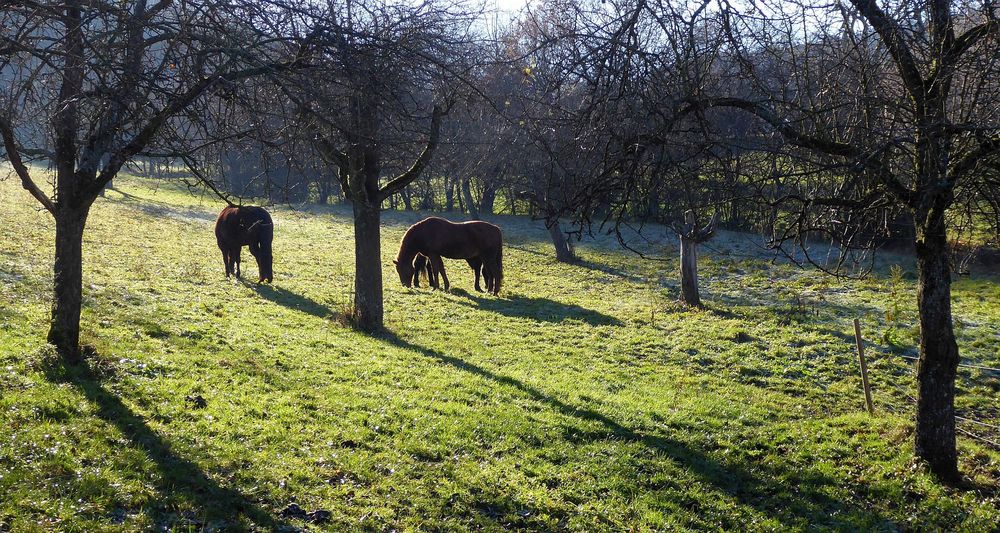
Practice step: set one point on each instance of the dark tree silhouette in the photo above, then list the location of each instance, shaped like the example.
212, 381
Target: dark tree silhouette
89, 85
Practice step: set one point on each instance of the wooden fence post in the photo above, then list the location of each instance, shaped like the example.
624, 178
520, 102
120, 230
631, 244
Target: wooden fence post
864, 367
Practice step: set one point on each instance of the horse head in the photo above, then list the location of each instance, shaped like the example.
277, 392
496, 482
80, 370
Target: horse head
405, 271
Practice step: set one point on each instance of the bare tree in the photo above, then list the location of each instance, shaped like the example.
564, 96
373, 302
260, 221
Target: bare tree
895, 107
378, 72
88, 85
867, 112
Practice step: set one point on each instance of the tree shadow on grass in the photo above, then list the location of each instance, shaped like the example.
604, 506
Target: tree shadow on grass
610, 270
289, 299
180, 479
540, 309
158, 208
796, 497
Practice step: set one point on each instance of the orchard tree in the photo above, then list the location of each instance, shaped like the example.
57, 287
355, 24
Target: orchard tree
86, 86
869, 112
894, 105
378, 71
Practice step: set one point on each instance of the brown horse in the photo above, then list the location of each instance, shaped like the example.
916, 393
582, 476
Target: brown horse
246, 226
479, 243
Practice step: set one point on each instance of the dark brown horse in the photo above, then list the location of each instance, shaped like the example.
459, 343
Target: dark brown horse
246, 226
479, 243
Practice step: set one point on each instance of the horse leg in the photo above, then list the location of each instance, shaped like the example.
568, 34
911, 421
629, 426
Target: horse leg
255, 251
434, 273
477, 267
439, 267
419, 264
225, 261
236, 258
491, 271
433, 279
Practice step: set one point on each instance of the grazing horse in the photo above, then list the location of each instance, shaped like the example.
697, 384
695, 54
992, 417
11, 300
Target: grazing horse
479, 243
245, 226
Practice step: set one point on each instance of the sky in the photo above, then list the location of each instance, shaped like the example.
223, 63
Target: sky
511, 6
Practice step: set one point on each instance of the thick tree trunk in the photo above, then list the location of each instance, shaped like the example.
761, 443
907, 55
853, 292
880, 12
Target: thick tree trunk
689, 272
938, 365
367, 266
564, 252
64, 328
405, 195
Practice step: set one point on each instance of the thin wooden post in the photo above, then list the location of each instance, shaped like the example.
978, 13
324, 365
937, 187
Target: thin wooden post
864, 366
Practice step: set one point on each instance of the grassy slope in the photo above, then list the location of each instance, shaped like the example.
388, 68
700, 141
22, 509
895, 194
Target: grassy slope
584, 399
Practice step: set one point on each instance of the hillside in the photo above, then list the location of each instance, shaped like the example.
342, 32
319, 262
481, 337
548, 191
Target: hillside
584, 398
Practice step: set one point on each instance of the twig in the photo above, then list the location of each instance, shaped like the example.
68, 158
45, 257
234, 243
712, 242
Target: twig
979, 438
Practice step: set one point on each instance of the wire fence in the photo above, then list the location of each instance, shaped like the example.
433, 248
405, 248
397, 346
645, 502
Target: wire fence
982, 431
960, 365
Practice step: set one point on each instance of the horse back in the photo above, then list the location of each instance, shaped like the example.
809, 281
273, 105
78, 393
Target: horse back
455, 240
239, 226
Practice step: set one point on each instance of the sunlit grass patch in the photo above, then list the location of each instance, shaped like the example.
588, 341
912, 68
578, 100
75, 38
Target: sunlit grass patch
585, 398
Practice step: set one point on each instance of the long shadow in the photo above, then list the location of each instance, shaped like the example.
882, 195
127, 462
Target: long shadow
158, 208
525, 250
289, 299
610, 270
180, 477
540, 309
765, 494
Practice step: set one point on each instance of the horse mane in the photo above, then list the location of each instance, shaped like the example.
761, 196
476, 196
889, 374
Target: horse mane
405, 245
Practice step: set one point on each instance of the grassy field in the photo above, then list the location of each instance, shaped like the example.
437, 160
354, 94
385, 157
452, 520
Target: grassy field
585, 398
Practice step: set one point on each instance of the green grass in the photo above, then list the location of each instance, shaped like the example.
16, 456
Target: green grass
585, 398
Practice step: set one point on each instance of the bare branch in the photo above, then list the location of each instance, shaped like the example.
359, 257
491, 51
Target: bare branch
14, 156
404, 179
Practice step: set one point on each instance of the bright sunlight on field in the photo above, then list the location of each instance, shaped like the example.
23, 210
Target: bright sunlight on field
584, 398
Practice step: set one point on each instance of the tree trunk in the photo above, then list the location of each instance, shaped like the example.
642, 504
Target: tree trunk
564, 252
467, 194
938, 364
449, 195
487, 202
64, 328
405, 195
324, 190
689, 271
367, 266
653, 206
427, 199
